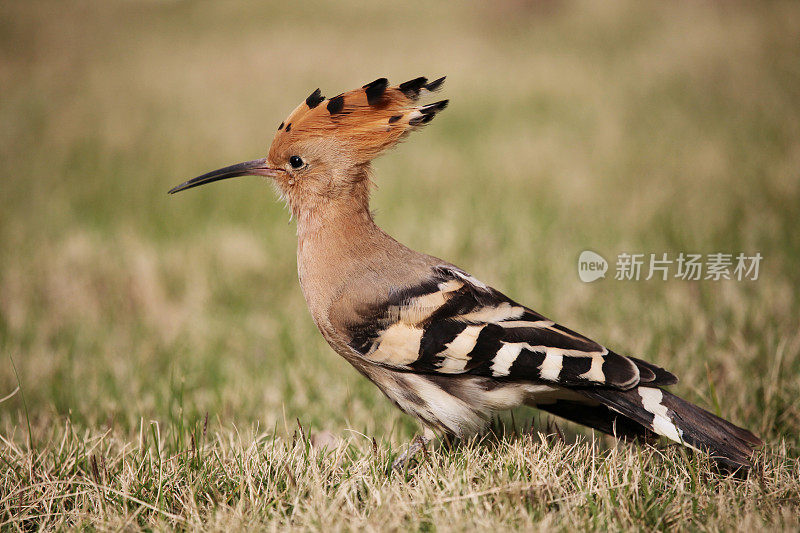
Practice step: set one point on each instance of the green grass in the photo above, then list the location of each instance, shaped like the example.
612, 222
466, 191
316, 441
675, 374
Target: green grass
162, 346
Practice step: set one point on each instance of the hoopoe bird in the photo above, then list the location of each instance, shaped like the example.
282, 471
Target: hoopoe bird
440, 344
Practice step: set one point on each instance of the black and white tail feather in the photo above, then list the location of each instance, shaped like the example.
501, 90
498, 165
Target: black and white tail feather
477, 347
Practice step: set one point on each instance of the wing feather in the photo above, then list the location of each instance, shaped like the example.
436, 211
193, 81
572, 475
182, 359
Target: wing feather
451, 323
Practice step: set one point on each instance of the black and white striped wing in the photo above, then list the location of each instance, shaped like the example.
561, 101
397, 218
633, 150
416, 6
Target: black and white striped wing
454, 324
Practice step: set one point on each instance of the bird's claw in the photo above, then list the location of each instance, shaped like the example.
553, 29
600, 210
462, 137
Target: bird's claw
404, 460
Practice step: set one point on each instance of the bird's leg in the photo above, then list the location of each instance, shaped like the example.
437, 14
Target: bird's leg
414, 447
418, 444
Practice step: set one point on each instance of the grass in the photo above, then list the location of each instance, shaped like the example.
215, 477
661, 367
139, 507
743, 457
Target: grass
162, 353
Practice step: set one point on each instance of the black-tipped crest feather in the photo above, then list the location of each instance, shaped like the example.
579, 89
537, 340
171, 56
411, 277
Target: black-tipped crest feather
411, 88
314, 99
335, 104
435, 85
375, 90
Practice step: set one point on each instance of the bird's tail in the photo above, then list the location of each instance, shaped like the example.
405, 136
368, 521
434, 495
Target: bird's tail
667, 415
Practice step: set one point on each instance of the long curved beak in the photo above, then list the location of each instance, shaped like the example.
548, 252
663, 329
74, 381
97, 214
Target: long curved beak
257, 167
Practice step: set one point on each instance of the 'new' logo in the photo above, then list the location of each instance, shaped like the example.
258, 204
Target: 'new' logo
591, 266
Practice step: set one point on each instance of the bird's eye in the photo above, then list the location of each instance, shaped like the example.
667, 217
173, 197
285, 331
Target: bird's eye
296, 161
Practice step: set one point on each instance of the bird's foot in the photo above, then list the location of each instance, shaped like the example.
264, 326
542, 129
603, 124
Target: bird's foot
417, 445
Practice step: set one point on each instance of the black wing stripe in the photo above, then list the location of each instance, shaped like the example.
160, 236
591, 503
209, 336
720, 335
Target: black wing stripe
363, 339
531, 316
645, 375
661, 377
619, 371
572, 368
438, 334
460, 302
550, 338
486, 346
435, 338
402, 297
527, 363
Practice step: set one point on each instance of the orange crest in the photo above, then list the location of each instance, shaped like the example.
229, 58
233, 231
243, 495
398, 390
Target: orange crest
365, 121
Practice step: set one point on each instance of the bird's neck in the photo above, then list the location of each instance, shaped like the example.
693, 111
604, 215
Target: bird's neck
334, 240
337, 223
336, 219
343, 256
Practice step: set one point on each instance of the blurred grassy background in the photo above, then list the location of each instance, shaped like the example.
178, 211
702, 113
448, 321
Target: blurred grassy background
613, 126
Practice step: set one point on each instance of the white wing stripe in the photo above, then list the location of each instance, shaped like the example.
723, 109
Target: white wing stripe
469, 279
551, 366
662, 424
505, 357
504, 311
566, 353
527, 324
595, 372
422, 307
399, 345
464, 342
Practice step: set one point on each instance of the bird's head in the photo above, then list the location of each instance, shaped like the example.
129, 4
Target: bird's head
322, 151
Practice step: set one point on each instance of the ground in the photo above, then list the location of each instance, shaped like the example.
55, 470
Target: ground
160, 370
